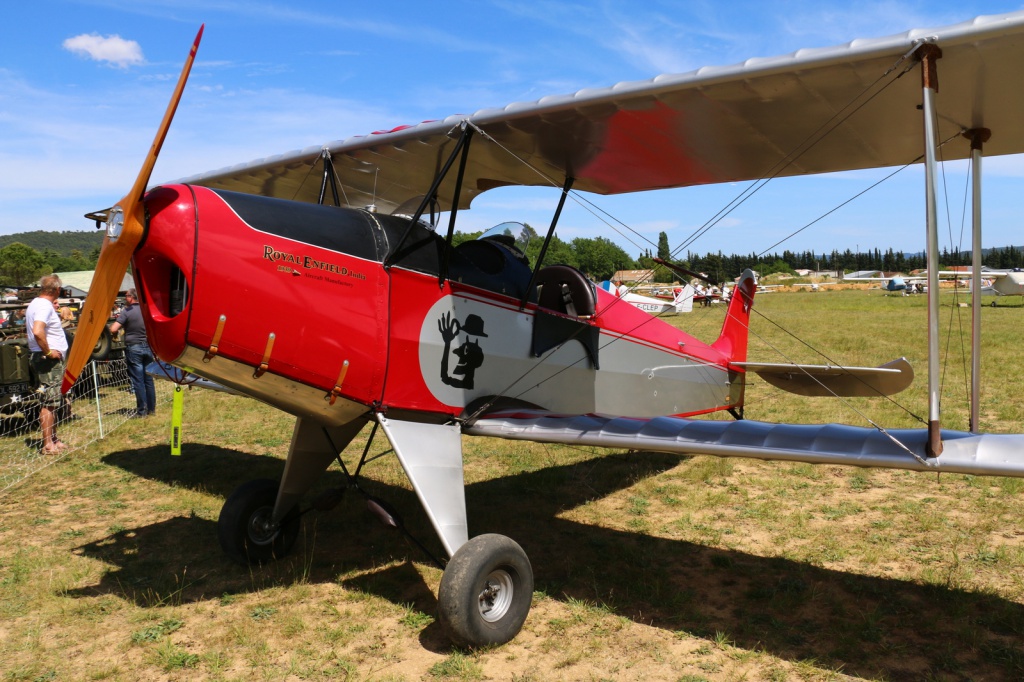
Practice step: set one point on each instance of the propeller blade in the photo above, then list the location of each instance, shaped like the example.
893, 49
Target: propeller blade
125, 228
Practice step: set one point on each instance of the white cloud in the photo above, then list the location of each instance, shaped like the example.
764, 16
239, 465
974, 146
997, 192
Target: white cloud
114, 50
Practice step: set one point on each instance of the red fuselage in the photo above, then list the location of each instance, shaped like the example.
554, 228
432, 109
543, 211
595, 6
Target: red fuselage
292, 303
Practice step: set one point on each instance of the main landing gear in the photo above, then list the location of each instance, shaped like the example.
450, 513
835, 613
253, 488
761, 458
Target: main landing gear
486, 589
487, 586
246, 529
485, 592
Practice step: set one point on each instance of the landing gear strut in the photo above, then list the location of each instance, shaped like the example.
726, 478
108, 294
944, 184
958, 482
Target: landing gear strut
485, 592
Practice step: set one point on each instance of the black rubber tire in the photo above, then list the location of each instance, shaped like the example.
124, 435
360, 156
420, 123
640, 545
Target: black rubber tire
486, 592
101, 351
241, 530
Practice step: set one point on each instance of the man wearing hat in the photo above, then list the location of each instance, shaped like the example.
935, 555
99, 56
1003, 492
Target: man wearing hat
469, 353
137, 354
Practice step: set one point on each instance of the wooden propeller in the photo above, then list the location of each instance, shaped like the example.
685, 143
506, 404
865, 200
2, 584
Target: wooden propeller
125, 228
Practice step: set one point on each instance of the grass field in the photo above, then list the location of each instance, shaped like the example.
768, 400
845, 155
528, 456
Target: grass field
647, 566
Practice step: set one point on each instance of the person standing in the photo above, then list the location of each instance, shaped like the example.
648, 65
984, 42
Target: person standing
137, 353
49, 348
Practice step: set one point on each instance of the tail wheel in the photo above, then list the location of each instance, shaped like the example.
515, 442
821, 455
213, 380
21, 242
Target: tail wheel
485, 592
245, 528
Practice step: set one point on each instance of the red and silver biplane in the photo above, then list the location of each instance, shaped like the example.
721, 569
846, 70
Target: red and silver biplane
432, 342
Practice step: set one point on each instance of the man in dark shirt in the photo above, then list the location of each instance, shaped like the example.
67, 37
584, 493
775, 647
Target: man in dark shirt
137, 353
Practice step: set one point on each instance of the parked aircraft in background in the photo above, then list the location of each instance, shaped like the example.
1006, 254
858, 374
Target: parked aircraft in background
681, 302
1001, 283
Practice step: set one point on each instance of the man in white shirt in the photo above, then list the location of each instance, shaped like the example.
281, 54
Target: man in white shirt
49, 348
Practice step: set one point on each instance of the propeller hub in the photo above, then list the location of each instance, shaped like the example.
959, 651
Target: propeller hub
115, 223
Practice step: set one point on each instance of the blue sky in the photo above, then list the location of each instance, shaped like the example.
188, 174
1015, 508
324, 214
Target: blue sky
83, 85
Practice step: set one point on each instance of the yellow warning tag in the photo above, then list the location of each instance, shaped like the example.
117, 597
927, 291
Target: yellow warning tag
176, 421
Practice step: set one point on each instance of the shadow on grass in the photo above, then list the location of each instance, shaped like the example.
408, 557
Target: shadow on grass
863, 625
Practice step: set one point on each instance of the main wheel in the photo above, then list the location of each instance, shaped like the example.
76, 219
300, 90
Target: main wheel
245, 530
485, 592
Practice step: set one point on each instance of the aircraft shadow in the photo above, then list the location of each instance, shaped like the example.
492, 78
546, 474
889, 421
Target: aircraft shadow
864, 625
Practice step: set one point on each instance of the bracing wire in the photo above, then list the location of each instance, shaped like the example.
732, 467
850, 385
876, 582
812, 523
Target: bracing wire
808, 143
955, 311
878, 427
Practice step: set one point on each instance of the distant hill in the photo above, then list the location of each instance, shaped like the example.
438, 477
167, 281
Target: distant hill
61, 242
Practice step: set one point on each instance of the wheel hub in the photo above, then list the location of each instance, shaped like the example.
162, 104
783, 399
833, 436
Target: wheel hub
262, 530
496, 597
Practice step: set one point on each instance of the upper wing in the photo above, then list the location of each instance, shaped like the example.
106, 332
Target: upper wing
712, 125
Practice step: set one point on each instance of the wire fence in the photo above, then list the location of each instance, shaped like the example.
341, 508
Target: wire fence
100, 402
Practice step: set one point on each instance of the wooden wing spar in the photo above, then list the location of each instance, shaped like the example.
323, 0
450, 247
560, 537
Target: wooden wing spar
760, 118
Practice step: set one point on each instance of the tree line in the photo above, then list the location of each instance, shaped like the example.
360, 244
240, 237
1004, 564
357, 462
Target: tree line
600, 258
21, 264
722, 266
61, 242
27, 256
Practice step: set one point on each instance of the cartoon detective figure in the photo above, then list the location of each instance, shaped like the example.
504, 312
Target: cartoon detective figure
469, 353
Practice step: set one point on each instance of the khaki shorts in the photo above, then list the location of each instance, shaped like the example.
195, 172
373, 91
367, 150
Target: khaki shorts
49, 373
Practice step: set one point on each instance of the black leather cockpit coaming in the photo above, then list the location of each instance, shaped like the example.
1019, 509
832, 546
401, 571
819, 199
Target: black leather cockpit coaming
355, 232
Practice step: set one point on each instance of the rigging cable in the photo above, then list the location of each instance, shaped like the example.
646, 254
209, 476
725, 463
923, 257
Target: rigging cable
803, 147
881, 429
808, 143
955, 310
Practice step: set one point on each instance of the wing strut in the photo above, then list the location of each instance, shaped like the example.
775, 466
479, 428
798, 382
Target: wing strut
978, 137
330, 175
467, 133
929, 86
547, 240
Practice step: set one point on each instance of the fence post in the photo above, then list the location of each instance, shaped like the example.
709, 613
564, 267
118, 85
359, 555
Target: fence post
96, 391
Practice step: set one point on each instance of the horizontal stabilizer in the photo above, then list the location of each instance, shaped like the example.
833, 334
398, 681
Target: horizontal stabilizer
834, 381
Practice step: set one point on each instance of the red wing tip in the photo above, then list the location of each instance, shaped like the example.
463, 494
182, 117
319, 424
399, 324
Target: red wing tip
68, 382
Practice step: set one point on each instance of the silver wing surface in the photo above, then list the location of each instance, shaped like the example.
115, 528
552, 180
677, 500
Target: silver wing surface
759, 118
964, 453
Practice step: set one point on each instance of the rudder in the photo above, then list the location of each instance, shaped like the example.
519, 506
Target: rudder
735, 330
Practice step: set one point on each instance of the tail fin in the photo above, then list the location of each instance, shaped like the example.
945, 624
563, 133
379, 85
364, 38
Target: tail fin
733, 339
683, 300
